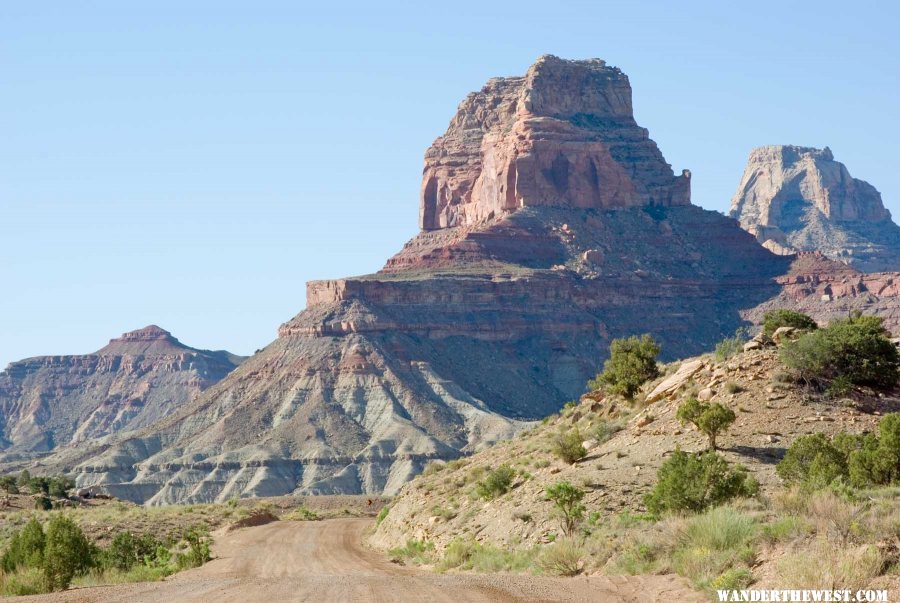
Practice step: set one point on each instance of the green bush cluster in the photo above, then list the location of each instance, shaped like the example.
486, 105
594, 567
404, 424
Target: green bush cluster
57, 486
853, 351
694, 482
568, 446
631, 363
496, 483
815, 462
775, 319
42, 560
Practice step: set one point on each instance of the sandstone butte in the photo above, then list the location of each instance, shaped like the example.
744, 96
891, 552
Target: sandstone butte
551, 224
800, 199
136, 379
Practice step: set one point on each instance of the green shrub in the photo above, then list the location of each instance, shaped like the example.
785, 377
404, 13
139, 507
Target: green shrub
566, 500
67, 553
708, 418
126, 551
731, 346
693, 482
197, 552
382, 514
26, 548
854, 351
631, 363
568, 446
42, 503
496, 483
876, 461
774, 319
813, 462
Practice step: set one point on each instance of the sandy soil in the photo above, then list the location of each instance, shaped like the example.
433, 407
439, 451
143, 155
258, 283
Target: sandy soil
326, 561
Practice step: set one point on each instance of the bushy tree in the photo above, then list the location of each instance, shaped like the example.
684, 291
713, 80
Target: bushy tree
9, 485
813, 462
631, 363
67, 553
876, 461
708, 418
774, 319
693, 482
856, 350
496, 483
568, 446
26, 548
566, 500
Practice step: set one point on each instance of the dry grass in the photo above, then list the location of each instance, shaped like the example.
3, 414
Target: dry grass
826, 566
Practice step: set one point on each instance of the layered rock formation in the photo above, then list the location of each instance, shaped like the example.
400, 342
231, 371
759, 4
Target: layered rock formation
136, 379
498, 312
800, 199
562, 136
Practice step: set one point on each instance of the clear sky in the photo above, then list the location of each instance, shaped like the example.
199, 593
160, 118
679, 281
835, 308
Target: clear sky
192, 164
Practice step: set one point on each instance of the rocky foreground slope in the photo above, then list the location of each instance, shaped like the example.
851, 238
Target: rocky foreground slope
136, 379
551, 224
625, 448
800, 199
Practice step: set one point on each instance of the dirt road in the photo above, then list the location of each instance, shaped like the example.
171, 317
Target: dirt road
326, 561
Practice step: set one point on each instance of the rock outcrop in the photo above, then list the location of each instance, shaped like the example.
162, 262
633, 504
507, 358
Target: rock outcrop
136, 379
800, 199
561, 136
496, 314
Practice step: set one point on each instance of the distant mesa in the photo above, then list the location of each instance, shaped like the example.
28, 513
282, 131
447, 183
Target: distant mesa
138, 378
800, 199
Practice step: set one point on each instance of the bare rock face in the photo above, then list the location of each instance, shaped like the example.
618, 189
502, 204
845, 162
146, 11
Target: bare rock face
562, 136
496, 314
800, 199
137, 379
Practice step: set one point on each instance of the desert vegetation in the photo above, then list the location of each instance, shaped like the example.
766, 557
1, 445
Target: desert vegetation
820, 513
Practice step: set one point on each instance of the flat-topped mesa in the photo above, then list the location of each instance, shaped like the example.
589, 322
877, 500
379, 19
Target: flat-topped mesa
563, 135
148, 340
800, 199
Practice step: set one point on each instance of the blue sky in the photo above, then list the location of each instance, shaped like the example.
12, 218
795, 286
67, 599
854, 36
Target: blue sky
192, 164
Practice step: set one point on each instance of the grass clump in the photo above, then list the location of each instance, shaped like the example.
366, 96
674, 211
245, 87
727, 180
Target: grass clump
731, 346
417, 552
562, 558
716, 546
470, 555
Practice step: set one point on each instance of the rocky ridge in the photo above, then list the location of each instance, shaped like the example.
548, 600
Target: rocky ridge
800, 199
136, 379
491, 317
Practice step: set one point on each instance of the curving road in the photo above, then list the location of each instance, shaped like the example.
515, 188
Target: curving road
325, 561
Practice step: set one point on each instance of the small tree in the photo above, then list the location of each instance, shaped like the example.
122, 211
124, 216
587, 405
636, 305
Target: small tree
23, 480
774, 319
67, 553
26, 548
693, 482
568, 446
631, 363
59, 486
877, 460
8, 483
566, 499
709, 419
